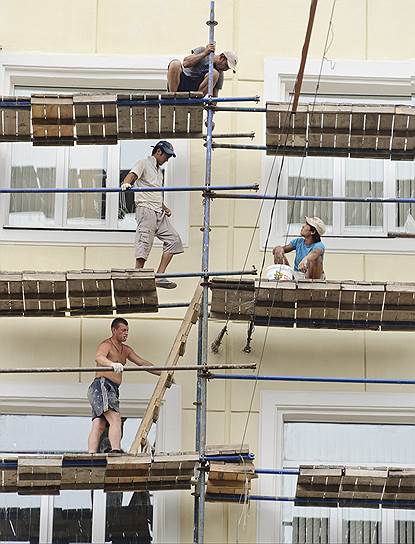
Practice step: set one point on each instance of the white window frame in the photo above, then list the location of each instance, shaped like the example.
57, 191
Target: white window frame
116, 72
279, 407
22, 397
338, 77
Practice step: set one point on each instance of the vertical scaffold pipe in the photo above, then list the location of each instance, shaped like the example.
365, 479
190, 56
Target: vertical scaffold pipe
201, 399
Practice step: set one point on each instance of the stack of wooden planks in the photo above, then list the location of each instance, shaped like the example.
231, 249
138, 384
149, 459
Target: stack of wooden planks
351, 486
77, 292
49, 474
229, 481
15, 124
316, 303
369, 131
54, 119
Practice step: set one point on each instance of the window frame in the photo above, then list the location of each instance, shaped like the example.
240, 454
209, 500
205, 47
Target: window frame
279, 407
64, 398
115, 72
341, 77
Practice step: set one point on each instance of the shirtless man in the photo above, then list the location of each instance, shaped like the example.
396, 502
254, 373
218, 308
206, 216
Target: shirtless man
103, 393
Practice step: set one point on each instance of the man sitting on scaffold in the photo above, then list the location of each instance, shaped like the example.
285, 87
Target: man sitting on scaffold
309, 250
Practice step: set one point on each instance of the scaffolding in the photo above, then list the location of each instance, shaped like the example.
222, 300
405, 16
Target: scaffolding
371, 131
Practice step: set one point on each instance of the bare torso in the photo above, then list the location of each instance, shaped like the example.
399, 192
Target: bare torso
115, 353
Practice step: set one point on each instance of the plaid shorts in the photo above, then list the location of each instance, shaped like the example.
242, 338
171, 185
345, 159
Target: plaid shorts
103, 395
151, 224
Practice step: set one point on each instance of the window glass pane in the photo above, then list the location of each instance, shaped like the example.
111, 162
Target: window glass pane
130, 152
343, 444
313, 176
19, 518
129, 518
72, 517
364, 178
87, 169
32, 167
405, 188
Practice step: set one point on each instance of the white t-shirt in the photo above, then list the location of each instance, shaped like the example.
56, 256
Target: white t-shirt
149, 175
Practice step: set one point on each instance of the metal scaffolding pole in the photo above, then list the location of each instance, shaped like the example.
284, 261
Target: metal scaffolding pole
186, 188
310, 198
144, 368
201, 398
313, 379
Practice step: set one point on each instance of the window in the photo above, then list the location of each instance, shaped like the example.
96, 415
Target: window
24, 426
83, 217
346, 82
332, 428
120, 515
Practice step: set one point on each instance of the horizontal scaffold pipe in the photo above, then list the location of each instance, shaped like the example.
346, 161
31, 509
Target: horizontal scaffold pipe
346, 503
312, 379
26, 104
184, 188
375, 200
233, 135
230, 458
252, 272
238, 108
50, 370
284, 472
185, 101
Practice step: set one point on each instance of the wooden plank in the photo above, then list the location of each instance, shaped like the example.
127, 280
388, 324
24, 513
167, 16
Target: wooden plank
196, 115
134, 290
231, 297
166, 116
138, 118
357, 128
44, 292
181, 115
124, 118
400, 131
152, 116
152, 409
342, 139
11, 293
385, 127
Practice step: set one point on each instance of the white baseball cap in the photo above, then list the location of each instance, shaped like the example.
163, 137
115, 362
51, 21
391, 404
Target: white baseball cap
232, 59
317, 223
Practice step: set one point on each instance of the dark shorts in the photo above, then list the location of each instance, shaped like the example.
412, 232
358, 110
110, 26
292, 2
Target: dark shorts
103, 395
189, 84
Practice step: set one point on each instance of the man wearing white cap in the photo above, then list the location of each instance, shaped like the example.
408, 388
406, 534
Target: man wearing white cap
192, 74
309, 250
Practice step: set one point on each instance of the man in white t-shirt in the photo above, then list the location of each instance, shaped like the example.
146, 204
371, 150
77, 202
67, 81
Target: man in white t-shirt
152, 214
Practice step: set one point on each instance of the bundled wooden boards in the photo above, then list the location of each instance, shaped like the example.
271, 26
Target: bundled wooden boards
49, 474
15, 124
367, 131
79, 292
316, 303
63, 119
352, 486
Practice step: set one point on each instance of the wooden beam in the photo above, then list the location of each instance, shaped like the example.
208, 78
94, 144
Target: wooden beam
300, 75
164, 381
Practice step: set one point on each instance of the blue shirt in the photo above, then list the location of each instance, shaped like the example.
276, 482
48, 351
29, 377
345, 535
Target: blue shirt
301, 250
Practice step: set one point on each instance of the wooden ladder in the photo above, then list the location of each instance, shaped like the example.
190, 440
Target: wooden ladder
152, 412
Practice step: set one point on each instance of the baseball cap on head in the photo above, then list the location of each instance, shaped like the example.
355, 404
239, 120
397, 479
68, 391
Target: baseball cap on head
317, 224
232, 59
166, 147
